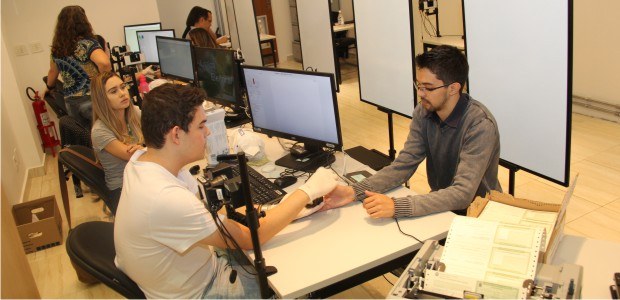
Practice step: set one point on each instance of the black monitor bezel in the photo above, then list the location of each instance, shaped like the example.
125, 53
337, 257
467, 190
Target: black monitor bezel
173, 76
137, 36
136, 25
238, 103
297, 138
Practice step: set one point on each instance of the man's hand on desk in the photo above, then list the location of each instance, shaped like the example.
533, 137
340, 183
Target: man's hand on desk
379, 205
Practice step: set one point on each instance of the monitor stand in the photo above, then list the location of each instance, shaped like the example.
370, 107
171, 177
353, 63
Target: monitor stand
308, 163
236, 119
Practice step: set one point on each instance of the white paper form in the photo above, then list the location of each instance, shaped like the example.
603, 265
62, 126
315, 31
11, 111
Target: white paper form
217, 141
503, 213
501, 254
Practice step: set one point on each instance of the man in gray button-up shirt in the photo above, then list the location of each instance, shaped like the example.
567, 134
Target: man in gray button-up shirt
456, 134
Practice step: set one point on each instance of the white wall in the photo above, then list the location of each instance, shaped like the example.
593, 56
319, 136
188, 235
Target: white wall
15, 120
596, 50
27, 21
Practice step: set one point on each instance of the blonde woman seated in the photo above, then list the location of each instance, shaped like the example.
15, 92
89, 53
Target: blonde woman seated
116, 132
201, 38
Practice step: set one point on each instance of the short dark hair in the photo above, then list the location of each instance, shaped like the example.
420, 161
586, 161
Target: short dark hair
447, 63
167, 106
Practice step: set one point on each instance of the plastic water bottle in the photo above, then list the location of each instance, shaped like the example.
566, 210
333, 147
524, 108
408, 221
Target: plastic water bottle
143, 87
340, 18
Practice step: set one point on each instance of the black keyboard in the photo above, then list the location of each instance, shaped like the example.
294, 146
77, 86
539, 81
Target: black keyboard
263, 191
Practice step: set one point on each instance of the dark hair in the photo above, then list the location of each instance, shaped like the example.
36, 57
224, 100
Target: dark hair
201, 38
166, 106
71, 26
194, 15
447, 63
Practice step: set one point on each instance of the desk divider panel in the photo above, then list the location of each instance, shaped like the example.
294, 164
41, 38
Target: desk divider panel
520, 58
385, 50
246, 37
315, 31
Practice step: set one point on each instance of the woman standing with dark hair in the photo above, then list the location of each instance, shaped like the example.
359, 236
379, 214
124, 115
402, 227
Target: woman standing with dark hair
77, 57
199, 17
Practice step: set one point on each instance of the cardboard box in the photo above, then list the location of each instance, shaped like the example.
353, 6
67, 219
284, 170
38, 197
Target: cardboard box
39, 224
478, 205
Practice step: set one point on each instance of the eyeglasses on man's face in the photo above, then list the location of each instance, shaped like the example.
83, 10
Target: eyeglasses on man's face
428, 89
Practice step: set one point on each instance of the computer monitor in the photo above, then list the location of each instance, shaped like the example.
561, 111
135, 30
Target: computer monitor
217, 73
176, 58
299, 106
148, 45
131, 39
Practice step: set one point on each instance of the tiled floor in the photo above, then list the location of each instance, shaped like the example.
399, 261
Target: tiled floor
593, 212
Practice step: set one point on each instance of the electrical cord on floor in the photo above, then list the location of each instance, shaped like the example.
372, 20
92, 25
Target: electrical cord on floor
387, 280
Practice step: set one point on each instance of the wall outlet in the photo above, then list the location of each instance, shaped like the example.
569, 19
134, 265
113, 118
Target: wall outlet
35, 47
21, 50
15, 158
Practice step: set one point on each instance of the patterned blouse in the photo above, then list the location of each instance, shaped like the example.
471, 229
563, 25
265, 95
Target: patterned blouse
77, 70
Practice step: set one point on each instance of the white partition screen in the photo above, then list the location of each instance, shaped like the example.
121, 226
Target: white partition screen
520, 57
385, 54
246, 37
315, 33
232, 24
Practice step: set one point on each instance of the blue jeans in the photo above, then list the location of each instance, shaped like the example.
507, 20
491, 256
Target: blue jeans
244, 286
81, 109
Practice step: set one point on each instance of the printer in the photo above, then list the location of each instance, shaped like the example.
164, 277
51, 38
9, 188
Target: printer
551, 281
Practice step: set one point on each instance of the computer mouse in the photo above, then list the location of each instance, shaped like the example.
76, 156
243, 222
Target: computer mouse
285, 181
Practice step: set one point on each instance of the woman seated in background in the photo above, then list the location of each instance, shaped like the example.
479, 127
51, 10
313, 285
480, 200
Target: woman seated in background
116, 132
77, 57
201, 38
200, 17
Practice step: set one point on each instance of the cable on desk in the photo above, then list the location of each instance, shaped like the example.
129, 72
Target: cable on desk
409, 235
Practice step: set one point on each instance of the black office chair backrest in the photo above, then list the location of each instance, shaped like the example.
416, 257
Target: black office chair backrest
81, 162
90, 246
73, 133
56, 99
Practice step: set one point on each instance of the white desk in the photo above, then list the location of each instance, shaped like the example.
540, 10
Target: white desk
599, 260
432, 42
327, 247
343, 27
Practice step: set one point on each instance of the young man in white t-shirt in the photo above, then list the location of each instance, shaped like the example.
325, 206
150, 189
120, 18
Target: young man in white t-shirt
163, 234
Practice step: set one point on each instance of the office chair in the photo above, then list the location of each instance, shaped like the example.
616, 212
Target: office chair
90, 247
56, 99
80, 160
342, 44
73, 133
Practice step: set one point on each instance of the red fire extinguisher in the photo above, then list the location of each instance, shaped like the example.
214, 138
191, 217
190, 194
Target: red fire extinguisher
47, 130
